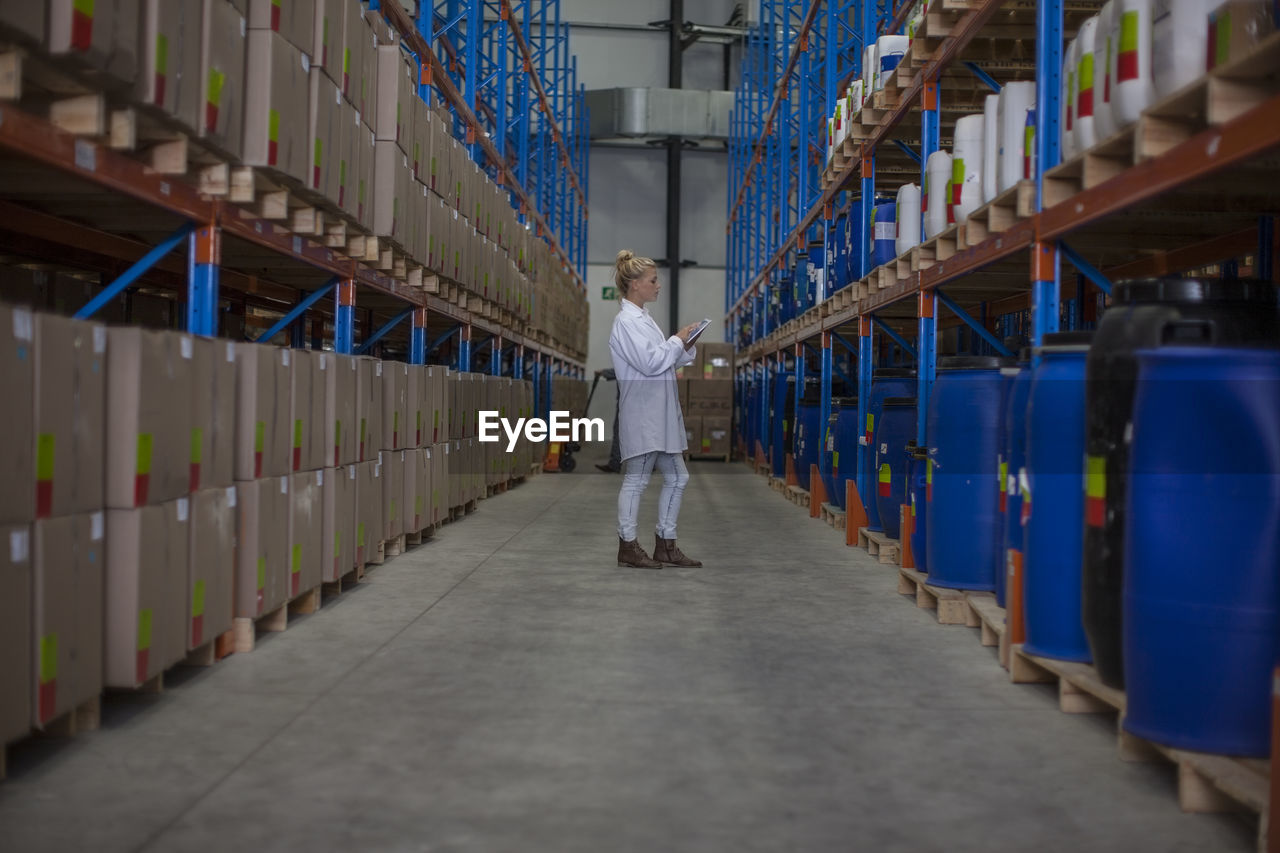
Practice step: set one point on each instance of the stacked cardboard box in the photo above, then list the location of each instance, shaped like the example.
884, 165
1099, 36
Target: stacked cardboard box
100, 38
706, 397
220, 114
276, 102
263, 460
169, 77
150, 467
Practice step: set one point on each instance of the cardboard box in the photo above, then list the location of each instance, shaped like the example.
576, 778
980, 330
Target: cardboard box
101, 36
369, 522
365, 198
439, 502
70, 416
148, 446
15, 632
355, 41
348, 166
439, 156
453, 463
306, 531
419, 407
369, 407
326, 43
17, 428
148, 567
211, 565
397, 89
307, 406
714, 440
213, 414
169, 76
417, 490
692, 370
396, 433
66, 613
420, 142
325, 129
717, 361
262, 553
294, 20
393, 472
693, 432
275, 122
1235, 28
367, 85
391, 178
263, 380
440, 218
338, 532
341, 430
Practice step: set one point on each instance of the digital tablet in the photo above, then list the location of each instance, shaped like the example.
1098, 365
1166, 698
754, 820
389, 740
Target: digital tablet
702, 327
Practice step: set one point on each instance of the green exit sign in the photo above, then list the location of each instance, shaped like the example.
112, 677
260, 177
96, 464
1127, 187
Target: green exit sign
609, 292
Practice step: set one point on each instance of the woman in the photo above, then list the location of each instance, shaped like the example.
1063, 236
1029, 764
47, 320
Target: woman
650, 423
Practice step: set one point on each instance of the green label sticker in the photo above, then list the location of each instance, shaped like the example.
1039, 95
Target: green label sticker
197, 445
262, 573
297, 432
48, 658
144, 629
197, 599
259, 436
44, 456
145, 445
295, 565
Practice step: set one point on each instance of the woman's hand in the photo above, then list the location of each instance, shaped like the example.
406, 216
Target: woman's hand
684, 333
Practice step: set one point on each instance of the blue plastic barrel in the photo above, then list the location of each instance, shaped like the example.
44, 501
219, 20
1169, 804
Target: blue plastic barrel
1202, 547
1055, 469
841, 435
918, 461
964, 408
781, 421
897, 427
1013, 462
808, 441
884, 233
838, 255
886, 382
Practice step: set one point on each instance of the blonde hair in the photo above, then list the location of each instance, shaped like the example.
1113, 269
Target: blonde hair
627, 268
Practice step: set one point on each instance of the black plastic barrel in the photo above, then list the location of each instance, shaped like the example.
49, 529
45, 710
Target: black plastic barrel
1146, 314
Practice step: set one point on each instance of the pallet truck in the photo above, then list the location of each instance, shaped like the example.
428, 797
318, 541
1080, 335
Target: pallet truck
560, 454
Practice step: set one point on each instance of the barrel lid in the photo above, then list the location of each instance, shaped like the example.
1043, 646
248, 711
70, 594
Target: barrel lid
1195, 290
892, 372
899, 401
1066, 341
973, 362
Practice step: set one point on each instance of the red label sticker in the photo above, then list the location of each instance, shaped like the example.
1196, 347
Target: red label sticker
48, 700
141, 486
143, 658
257, 464
81, 30
197, 630
1095, 511
44, 498
193, 477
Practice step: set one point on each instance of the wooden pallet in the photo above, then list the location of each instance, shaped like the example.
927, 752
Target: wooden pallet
1000, 214
211, 652
778, 484
985, 615
834, 516
949, 603
85, 717
387, 548
1207, 783
422, 535
246, 629
798, 496
1223, 94
879, 545
350, 579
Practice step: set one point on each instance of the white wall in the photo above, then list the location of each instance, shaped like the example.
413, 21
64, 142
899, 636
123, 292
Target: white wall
628, 185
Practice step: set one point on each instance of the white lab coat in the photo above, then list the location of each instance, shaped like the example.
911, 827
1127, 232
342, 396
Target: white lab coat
645, 362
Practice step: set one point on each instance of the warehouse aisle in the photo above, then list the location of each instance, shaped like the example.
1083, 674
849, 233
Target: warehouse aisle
506, 688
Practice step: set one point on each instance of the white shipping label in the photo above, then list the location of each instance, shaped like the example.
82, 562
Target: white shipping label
186, 347
284, 357
231, 352
99, 340
319, 478
323, 360
306, 64
184, 509
97, 523
231, 497
20, 546
22, 324
378, 369
886, 230
351, 472
377, 470
284, 485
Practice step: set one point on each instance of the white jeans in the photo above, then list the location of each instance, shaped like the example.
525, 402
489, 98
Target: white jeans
635, 479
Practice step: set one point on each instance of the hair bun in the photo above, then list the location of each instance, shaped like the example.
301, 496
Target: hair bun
625, 255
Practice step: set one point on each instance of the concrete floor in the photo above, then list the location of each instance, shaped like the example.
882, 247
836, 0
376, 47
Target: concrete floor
505, 687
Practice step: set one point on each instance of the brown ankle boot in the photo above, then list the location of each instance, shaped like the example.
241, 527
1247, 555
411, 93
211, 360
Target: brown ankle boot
631, 555
669, 554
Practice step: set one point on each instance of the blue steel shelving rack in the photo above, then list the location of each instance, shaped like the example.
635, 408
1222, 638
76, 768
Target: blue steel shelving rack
765, 234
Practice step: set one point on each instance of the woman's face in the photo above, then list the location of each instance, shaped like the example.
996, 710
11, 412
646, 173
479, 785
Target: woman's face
645, 289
